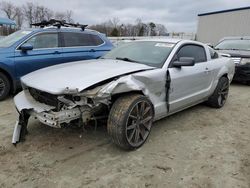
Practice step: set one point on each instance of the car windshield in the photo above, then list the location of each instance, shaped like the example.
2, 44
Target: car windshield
234, 44
150, 53
12, 38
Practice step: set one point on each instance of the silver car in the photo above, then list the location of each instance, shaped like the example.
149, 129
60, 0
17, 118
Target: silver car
131, 87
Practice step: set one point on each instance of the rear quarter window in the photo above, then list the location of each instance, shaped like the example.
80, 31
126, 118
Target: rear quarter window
97, 40
213, 54
72, 39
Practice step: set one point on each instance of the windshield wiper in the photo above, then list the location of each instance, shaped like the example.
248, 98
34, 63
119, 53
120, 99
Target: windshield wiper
234, 49
127, 59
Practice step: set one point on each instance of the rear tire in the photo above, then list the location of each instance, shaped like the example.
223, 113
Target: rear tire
219, 97
4, 86
130, 121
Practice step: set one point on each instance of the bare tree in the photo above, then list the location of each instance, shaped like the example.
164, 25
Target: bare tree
114, 22
69, 16
19, 17
137, 29
32, 13
12, 12
36, 13
9, 9
43, 13
29, 12
152, 28
60, 15
160, 30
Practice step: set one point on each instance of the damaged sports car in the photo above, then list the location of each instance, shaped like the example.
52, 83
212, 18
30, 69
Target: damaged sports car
130, 87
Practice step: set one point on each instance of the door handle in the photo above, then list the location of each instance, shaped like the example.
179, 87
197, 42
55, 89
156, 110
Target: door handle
207, 70
57, 52
92, 50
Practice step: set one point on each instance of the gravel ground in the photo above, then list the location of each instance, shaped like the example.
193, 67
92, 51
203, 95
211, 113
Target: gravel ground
199, 147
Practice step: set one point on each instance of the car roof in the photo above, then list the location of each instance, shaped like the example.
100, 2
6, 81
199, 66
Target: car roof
236, 37
62, 28
171, 40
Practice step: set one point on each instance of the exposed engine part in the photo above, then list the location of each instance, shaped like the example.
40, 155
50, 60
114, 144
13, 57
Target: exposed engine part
56, 119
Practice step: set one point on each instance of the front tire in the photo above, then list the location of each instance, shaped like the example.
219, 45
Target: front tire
219, 97
4, 86
130, 121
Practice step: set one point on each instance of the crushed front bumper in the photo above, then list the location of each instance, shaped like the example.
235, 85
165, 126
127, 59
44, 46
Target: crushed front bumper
27, 106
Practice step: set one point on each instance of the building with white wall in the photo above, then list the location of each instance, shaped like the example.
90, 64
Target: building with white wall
213, 26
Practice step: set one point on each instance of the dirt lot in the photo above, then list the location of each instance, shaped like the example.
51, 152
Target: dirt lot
200, 147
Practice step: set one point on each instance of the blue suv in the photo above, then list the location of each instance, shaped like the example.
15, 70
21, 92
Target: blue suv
28, 50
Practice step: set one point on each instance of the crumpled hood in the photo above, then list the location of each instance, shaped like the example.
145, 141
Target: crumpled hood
77, 76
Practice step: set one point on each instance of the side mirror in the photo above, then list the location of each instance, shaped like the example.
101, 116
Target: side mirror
184, 61
26, 47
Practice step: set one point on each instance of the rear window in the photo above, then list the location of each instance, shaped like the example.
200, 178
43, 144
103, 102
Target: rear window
97, 40
81, 39
234, 44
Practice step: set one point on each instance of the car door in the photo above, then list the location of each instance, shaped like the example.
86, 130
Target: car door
81, 46
189, 84
45, 52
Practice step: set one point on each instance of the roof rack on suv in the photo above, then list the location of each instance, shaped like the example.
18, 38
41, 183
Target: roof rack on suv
58, 24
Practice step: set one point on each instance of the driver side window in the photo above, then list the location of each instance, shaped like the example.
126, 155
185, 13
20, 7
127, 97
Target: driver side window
46, 40
195, 51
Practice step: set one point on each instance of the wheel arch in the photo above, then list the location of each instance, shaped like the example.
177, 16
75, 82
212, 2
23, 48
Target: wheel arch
10, 78
114, 97
225, 75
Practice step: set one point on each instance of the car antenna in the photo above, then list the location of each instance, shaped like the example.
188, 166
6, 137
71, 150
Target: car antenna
58, 24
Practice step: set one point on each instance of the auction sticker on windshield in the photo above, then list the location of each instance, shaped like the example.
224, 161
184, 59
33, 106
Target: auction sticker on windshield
165, 45
26, 32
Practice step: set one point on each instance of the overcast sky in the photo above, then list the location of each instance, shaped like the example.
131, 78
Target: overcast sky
176, 15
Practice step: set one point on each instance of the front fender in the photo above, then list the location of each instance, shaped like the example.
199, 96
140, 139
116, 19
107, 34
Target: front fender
9, 70
151, 83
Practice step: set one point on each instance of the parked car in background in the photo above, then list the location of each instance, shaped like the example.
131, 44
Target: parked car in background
28, 50
239, 50
131, 86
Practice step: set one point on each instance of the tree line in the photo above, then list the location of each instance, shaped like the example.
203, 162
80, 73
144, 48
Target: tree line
30, 13
115, 28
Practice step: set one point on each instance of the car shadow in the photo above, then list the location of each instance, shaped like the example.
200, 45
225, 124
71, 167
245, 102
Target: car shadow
70, 137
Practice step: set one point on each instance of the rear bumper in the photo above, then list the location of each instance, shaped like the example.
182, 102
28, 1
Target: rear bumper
242, 73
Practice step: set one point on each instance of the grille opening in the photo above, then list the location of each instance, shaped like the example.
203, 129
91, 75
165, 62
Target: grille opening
46, 98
